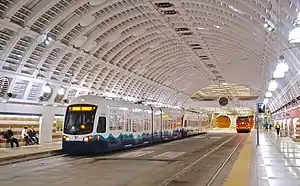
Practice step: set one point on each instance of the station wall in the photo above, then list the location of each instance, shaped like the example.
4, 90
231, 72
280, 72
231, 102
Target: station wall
19, 115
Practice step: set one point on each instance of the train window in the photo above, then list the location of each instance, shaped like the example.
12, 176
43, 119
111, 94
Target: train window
113, 122
101, 128
128, 125
157, 125
120, 123
146, 124
136, 125
164, 126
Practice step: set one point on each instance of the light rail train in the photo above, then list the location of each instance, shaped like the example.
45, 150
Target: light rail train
243, 124
95, 125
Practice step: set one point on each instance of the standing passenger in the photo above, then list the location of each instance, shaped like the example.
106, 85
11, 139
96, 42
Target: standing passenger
266, 126
277, 127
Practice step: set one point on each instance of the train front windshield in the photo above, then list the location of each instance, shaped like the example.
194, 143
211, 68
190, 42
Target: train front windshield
243, 120
80, 119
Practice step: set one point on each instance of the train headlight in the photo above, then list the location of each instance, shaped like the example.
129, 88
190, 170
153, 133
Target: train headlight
88, 138
66, 138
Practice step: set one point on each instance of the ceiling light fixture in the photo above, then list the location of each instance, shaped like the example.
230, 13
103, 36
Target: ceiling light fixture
282, 66
268, 94
47, 88
266, 101
272, 86
278, 74
61, 91
294, 36
269, 25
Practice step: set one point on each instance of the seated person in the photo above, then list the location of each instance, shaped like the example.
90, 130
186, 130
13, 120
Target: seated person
9, 136
25, 136
32, 135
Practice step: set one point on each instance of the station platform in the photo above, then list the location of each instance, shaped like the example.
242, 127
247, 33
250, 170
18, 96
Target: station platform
8, 155
275, 162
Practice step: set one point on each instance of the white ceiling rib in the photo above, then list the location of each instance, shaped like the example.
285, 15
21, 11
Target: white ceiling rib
131, 48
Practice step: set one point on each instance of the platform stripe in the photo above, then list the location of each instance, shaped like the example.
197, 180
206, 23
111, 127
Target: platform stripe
168, 155
240, 172
135, 154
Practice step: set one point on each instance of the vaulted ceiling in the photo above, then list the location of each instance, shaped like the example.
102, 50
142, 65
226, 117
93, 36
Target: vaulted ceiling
163, 51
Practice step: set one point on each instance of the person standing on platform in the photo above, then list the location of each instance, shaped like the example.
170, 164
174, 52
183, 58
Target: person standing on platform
9, 136
277, 127
266, 126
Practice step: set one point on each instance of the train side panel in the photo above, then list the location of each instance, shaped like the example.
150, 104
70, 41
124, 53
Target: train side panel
117, 124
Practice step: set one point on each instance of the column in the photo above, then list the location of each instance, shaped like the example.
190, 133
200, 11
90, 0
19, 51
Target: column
233, 120
46, 124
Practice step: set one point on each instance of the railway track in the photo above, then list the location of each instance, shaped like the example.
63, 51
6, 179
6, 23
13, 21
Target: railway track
190, 174
202, 163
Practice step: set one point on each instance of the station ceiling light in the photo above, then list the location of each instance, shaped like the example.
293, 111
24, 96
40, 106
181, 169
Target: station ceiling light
266, 101
278, 74
294, 36
268, 94
282, 65
61, 91
47, 88
272, 86
44, 38
269, 25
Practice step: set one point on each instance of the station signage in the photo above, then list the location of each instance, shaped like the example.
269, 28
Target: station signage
261, 108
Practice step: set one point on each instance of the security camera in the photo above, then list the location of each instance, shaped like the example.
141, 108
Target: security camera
65, 101
9, 95
41, 98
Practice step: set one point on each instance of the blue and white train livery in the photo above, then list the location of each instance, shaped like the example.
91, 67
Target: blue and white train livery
96, 125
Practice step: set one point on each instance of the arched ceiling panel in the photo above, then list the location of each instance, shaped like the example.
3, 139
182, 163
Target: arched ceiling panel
138, 49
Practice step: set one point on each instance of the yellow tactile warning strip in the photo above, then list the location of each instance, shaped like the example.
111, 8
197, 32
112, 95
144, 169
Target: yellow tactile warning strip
239, 174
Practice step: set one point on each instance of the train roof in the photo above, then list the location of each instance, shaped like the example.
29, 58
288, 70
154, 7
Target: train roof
97, 100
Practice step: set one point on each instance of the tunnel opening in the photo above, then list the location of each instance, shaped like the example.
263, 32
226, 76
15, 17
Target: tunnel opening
223, 121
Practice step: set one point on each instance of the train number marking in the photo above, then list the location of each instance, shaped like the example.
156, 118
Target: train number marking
135, 154
169, 155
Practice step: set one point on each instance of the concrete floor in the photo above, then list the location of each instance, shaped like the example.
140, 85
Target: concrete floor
277, 161
148, 166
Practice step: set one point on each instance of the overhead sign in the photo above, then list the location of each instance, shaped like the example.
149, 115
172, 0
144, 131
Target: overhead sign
261, 108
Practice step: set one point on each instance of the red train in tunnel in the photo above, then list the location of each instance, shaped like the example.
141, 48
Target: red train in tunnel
244, 123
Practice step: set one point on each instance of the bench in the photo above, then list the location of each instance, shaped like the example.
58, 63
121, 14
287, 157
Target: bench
5, 144
57, 136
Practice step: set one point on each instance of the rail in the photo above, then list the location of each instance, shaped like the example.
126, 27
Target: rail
215, 175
